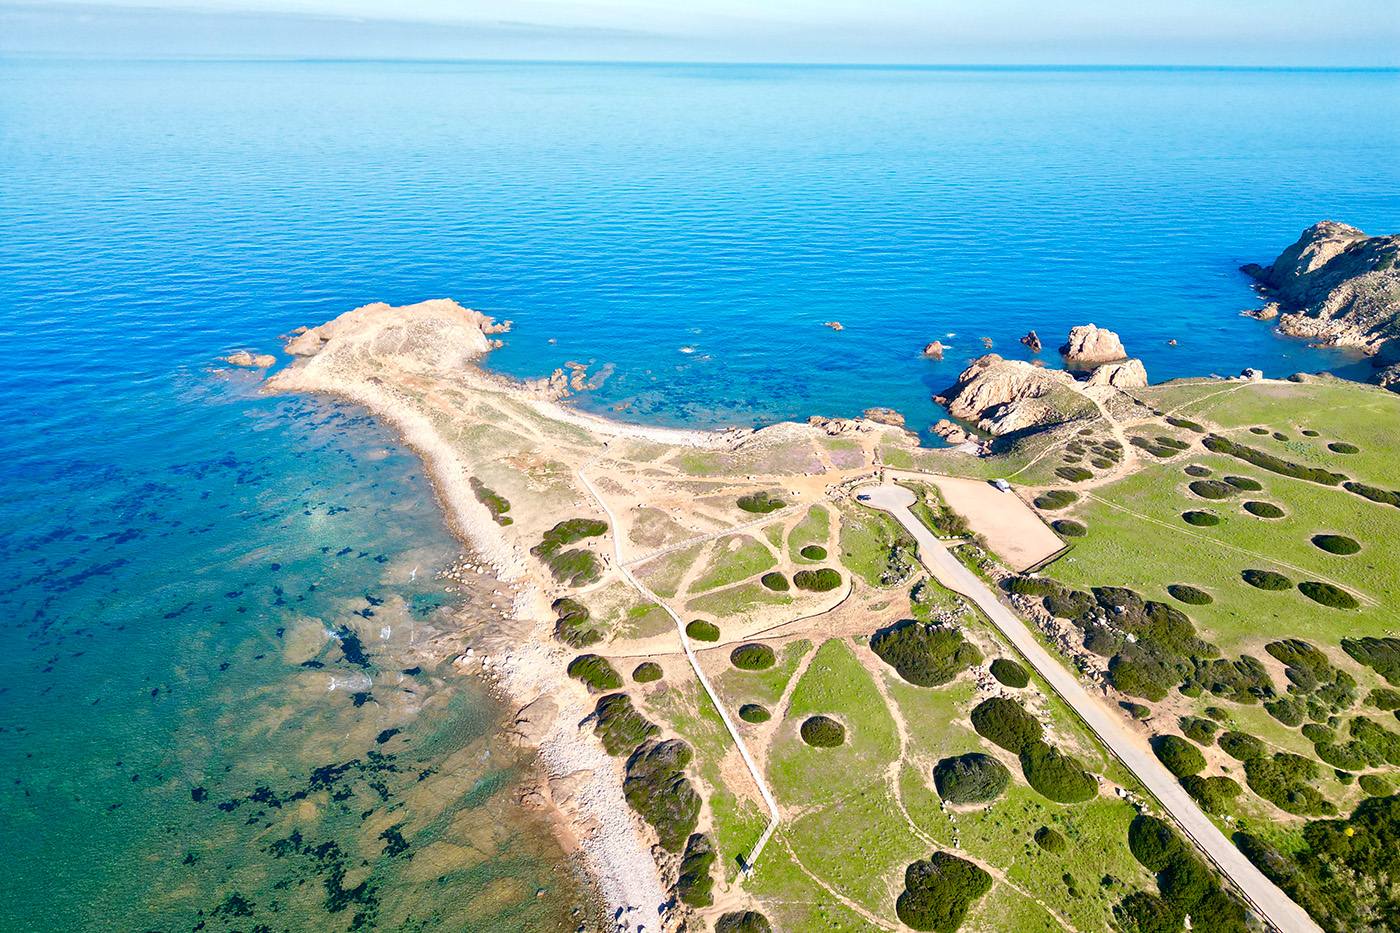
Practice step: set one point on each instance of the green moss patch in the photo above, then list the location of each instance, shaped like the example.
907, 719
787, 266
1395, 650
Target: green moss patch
1336, 544
1069, 528
752, 657
573, 625
1010, 673
822, 732
619, 726
1200, 519
1342, 447
595, 672
1263, 509
970, 778
657, 788
1266, 580
775, 581
923, 654
760, 503
817, 581
1053, 499
754, 713
1190, 595
1328, 595
1211, 489
813, 552
938, 891
647, 672
702, 630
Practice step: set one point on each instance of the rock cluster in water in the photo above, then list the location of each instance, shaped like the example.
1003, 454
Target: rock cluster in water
1089, 345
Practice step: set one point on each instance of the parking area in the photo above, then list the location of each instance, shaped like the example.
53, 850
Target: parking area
1012, 529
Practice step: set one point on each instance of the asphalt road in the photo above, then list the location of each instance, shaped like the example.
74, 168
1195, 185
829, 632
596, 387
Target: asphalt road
1130, 747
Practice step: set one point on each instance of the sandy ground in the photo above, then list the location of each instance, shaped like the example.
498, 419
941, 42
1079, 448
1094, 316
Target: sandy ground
1014, 532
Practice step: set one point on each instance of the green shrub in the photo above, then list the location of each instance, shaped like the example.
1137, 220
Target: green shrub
1200, 519
760, 503
1180, 756
970, 778
1342, 447
1139, 711
817, 581
695, 884
775, 581
1069, 528
813, 552
754, 713
1287, 711
1153, 843
1197, 471
1283, 781
1141, 675
1328, 595
1308, 432
1266, 580
1336, 544
657, 788
1201, 731
1375, 785
938, 891
752, 657
1184, 423
1189, 595
1010, 673
646, 672
572, 626
1145, 912
923, 654
1241, 745
1244, 483
1056, 775
822, 732
701, 630
1049, 839
1382, 655
743, 921
1260, 431
1073, 474
1212, 793
1263, 509
1006, 723
576, 567
1053, 499
1101, 463
1384, 698
619, 726
1267, 461
1374, 493
595, 672
1211, 489
495, 503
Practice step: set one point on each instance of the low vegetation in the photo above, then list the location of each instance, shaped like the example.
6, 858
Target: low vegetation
495, 503
1010, 673
646, 672
1263, 509
1245, 483
924, 654
1069, 528
938, 891
743, 921
595, 672
1241, 745
822, 732
970, 778
572, 624
1267, 461
1056, 775
1179, 756
1211, 489
817, 581
813, 552
1054, 499
775, 581
1327, 594
1187, 888
573, 567
761, 503
619, 725
1200, 519
1266, 580
1188, 594
702, 630
695, 884
1382, 655
657, 788
1336, 544
754, 713
752, 657
1212, 793
1050, 840
1006, 723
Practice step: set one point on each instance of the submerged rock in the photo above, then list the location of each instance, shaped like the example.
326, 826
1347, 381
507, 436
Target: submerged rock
884, 416
1089, 345
252, 361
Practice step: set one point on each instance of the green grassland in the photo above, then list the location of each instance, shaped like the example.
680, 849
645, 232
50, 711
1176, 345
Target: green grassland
734, 559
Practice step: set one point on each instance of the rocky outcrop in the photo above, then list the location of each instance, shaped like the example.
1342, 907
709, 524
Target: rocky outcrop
884, 416
934, 351
250, 360
1335, 286
1001, 396
1089, 345
1032, 340
1129, 374
952, 432
435, 336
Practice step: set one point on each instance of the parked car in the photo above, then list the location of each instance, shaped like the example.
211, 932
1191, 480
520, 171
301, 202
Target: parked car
862, 497
1002, 484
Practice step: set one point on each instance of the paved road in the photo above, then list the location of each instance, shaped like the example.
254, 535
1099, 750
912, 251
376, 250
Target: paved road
1130, 748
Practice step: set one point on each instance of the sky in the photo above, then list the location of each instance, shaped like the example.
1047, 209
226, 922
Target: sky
1328, 33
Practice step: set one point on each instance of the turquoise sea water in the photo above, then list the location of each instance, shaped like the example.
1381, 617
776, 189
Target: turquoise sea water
189, 567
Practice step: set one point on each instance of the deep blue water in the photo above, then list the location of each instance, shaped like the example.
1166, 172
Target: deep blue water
161, 520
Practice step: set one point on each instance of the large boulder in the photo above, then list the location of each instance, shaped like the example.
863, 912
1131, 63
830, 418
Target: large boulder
1089, 345
1129, 374
1001, 396
1336, 286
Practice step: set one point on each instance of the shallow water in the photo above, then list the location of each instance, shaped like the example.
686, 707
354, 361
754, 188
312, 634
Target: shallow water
177, 548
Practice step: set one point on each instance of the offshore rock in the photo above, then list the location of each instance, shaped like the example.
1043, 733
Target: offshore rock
1001, 396
1089, 345
934, 351
884, 416
1032, 340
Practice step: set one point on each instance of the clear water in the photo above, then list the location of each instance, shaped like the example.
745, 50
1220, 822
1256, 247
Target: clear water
175, 545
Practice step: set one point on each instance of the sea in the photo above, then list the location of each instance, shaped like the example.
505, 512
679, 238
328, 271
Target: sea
225, 699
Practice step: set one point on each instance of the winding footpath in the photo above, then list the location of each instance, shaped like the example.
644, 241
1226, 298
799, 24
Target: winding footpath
773, 813
1129, 747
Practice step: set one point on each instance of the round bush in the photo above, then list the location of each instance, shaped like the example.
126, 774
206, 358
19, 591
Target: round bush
1240, 745
1068, 528
1010, 673
817, 581
1309, 432
753, 712
646, 672
1153, 843
1074, 474
937, 892
595, 672
1266, 580
1244, 483
1056, 775
1006, 723
1201, 731
970, 778
1375, 785
774, 581
1198, 471
822, 732
1342, 447
1182, 592
1050, 840
761, 503
1336, 544
813, 552
1180, 756
1259, 431
743, 921
752, 657
1053, 499
1211, 489
1263, 509
925, 655
1200, 519
1212, 793
700, 630
1328, 595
